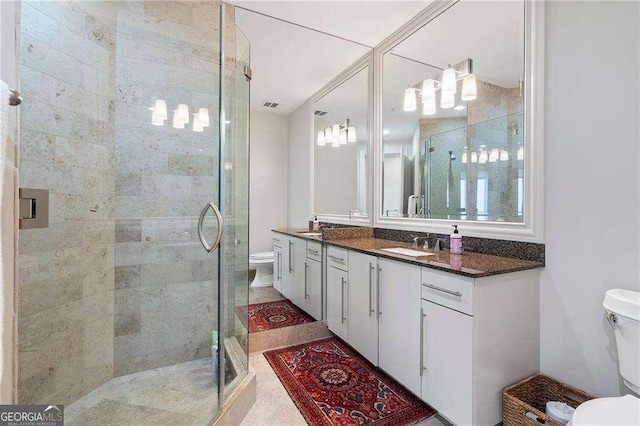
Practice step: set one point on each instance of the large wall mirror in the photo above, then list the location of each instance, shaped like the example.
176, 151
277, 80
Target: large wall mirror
341, 141
453, 117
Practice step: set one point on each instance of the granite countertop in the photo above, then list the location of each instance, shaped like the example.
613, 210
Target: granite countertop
474, 265
299, 233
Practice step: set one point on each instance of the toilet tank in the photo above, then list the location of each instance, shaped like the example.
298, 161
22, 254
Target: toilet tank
623, 312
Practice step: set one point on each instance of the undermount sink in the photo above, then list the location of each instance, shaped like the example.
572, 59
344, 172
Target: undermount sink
408, 252
311, 234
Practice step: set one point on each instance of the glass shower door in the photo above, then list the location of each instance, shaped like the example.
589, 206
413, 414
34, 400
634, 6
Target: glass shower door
135, 118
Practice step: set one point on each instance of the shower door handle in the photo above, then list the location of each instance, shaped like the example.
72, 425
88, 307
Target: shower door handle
203, 241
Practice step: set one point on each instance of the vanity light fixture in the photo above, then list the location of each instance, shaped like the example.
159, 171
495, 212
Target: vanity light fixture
504, 155
203, 117
182, 113
343, 136
385, 132
429, 107
464, 157
447, 100
410, 99
494, 155
351, 134
449, 81
520, 153
159, 112
177, 123
197, 124
448, 88
337, 134
459, 107
484, 156
474, 157
469, 88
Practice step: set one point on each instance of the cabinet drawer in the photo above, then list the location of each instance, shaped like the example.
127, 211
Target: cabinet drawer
338, 258
277, 240
314, 250
448, 290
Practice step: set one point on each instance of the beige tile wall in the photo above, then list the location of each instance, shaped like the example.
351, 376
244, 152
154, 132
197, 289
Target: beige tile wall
66, 271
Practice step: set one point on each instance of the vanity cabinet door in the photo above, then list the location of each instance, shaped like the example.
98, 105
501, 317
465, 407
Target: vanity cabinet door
314, 289
447, 359
299, 274
399, 322
287, 267
337, 314
277, 268
362, 292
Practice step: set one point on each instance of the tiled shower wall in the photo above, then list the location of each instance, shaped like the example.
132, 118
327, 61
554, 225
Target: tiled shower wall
118, 282
165, 300
66, 271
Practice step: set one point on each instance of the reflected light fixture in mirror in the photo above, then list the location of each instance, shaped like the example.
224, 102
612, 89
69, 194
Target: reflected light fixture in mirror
345, 131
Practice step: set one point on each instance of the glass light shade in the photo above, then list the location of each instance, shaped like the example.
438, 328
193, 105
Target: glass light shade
335, 131
160, 109
335, 142
197, 125
484, 156
343, 137
469, 88
447, 100
156, 121
327, 134
474, 157
203, 117
351, 134
494, 155
428, 90
449, 81
177, 123
504, 155
520, 153
429, 107
464, 158
321, 141
410, 99
182, 113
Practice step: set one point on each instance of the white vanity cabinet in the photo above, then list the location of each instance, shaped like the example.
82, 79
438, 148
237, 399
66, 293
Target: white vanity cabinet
313, 280
478, 336
337, 291
399, 322
362, 321
277, 262
447, 361
294, 271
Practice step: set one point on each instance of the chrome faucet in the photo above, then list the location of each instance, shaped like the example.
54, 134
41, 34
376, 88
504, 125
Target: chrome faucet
416, 240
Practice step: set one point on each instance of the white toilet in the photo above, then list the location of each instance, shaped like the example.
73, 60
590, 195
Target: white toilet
623, 313
263, 264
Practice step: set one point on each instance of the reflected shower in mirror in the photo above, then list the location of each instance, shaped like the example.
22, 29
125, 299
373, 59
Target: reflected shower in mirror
340, 148
453, 117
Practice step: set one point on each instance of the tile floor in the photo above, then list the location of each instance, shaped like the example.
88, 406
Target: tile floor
263, 294
274, 407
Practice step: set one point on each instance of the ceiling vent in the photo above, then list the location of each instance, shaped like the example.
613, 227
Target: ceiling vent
269, 104
320, 113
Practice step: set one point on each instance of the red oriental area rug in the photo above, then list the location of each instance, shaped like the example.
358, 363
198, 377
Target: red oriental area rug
333, 385
272, 315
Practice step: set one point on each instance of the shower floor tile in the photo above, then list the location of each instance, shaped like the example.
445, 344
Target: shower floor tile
182, 394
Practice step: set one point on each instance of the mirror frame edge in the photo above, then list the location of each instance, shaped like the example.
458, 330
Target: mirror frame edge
532, 229
366, 61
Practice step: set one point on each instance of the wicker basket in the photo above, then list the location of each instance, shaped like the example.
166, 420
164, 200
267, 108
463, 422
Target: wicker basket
531, 396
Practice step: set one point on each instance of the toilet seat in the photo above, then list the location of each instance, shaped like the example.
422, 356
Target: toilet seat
264, 257
620, 410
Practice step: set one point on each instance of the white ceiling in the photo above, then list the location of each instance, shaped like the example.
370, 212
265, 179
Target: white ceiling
291, 63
